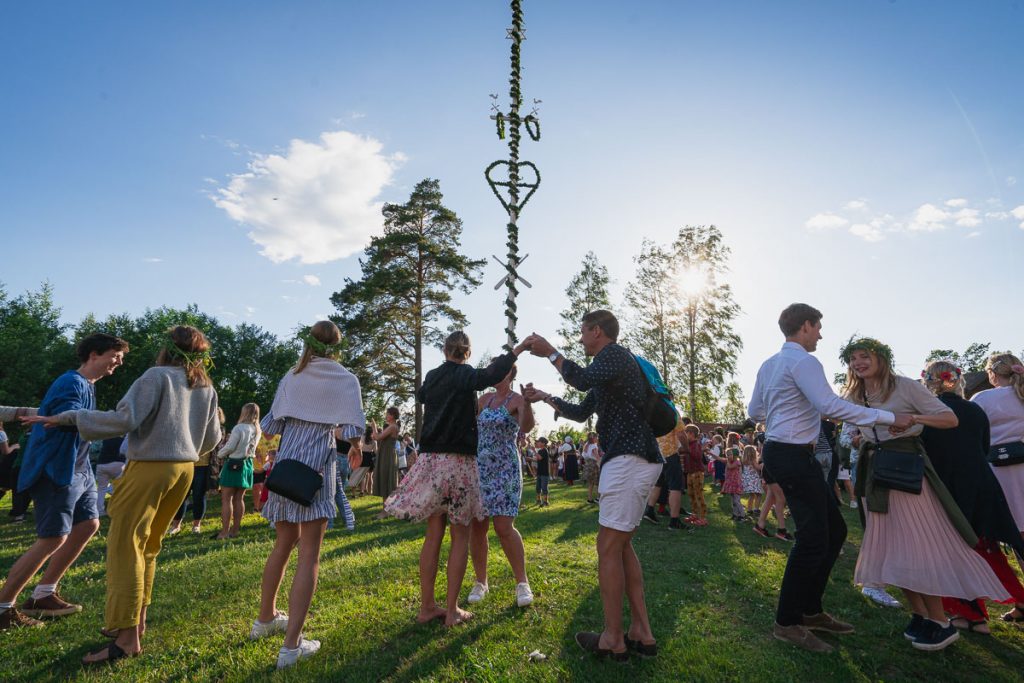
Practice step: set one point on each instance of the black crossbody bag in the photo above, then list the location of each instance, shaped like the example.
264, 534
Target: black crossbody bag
895, 470
295, 481
1005, 454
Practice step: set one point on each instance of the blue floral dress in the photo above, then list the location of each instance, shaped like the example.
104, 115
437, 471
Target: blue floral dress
497, 460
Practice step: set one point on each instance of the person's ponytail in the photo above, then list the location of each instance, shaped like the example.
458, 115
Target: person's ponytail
1008, 366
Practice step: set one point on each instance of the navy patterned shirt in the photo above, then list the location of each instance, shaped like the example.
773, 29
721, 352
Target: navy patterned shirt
616, 391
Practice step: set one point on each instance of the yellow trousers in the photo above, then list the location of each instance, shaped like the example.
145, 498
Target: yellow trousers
695, 487
141, 508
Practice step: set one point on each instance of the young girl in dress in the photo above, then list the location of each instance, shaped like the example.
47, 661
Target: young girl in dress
443, 487
732, 484
312, 399
751, 476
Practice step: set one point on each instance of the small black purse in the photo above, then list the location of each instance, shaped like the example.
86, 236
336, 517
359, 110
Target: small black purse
895, 470
295, 481
1005, 454
235, 465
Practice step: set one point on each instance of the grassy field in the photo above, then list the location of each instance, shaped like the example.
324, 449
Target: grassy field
711, 596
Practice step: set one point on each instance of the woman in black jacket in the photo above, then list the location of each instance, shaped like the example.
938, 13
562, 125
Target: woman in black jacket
444, 486
959, 456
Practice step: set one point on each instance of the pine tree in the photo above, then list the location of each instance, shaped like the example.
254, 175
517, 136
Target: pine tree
403, 299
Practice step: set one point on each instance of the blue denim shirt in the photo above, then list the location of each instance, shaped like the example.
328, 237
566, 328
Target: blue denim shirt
52, 452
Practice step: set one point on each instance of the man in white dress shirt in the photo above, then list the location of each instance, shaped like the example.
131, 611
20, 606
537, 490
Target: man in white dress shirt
791, 396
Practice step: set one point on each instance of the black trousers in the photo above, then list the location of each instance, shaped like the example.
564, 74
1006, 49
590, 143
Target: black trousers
820, 529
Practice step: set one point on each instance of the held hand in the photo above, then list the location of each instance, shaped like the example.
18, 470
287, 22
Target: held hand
903, 423
539, 346
48, 422
523, 346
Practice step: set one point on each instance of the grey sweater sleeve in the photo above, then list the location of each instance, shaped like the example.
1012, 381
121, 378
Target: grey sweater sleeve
10, 413
138, 403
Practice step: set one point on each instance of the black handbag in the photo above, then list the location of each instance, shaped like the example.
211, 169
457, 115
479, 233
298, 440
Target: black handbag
895, 470
295, 481
235, 465
1005, 454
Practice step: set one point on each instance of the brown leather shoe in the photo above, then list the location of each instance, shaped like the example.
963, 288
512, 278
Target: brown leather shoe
826, 622
51, 606
801, 637
12, 618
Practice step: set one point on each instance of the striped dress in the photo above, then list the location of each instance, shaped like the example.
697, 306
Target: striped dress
312, 444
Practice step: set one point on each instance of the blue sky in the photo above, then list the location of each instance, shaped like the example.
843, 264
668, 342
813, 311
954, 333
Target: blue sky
864, 157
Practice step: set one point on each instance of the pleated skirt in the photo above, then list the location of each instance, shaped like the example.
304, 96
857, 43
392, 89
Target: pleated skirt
915, 546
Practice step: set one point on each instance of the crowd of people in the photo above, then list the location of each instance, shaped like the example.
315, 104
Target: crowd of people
938, 480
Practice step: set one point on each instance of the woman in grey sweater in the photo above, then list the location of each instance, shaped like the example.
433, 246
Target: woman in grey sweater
170, 414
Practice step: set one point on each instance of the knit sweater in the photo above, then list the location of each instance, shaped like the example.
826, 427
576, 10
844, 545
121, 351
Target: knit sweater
166, 420
242, 442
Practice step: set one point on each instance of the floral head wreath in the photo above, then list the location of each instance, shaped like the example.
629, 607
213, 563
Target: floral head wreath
317, 345
945, 376
191, 357
883, 351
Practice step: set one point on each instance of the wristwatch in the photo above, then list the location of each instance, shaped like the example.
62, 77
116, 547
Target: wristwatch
554, 356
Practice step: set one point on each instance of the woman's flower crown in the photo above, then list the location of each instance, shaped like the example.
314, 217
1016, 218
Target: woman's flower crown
883, 351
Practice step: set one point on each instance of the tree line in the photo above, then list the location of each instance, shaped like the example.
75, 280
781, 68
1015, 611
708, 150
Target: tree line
402, 302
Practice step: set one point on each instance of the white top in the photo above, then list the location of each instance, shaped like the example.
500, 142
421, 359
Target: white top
565, 448
909, 396
791, 394
590, 451
242, 442
1005, 413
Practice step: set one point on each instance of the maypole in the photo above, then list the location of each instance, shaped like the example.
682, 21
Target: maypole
512, 202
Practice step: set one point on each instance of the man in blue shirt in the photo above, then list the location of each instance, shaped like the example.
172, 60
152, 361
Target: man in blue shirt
57, 473
616, 390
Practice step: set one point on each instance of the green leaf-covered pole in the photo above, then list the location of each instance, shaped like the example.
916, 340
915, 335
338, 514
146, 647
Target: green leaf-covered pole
513, 205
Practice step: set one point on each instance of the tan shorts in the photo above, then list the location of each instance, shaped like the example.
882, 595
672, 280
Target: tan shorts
626, 481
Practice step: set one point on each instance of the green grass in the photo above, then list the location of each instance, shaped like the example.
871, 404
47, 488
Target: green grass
710, 593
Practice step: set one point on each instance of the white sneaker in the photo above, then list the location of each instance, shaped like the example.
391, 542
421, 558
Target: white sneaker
880, 596
478, 593
524, 596
853, 504
287, 657
261, 629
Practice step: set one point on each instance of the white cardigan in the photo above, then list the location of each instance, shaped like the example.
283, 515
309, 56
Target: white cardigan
242, 442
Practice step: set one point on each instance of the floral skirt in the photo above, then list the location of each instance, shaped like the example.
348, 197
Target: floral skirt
439, 483
590, 471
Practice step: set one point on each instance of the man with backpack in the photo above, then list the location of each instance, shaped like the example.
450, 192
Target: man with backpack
618, 391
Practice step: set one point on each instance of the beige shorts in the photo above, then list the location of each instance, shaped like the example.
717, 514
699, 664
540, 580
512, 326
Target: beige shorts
626, 481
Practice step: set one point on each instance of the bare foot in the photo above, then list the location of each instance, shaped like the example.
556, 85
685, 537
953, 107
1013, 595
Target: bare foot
646, 640
458, 617
429, 615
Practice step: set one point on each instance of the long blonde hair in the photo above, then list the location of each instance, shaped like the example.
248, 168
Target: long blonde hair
855, 389
1008, 365
250, 414
749, 455
320, 342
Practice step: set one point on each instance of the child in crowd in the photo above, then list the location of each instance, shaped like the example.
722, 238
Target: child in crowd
693, 468
732, 480
717, 461
542, 459
751, 477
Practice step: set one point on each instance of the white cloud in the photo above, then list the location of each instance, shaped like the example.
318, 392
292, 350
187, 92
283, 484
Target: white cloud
929, 218
1018, 213
967, 218
956, 203
152, 259
249, 310
856, 205
976, 233
825, 221
1011, 180
316, 202
997, 215
869, 232
311, 280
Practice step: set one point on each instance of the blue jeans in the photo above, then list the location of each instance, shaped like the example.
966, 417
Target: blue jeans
341, 473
